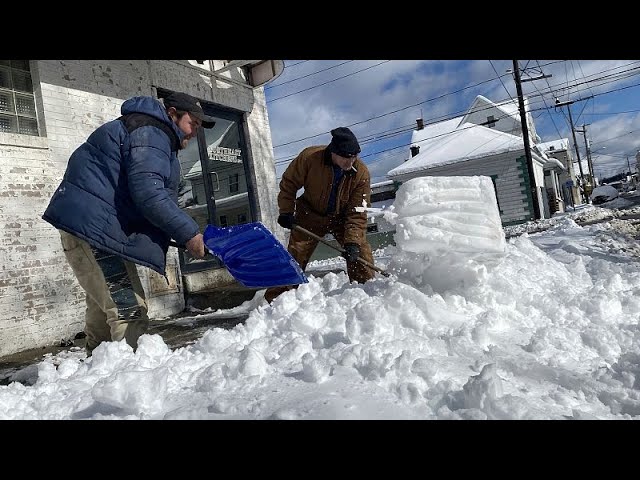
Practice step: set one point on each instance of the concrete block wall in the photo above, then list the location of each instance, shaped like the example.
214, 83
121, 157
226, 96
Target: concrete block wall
262, 166
41, 303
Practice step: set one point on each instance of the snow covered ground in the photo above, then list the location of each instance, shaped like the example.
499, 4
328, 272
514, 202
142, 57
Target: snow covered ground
471, 325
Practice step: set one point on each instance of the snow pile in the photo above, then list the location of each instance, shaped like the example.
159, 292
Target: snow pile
448, 231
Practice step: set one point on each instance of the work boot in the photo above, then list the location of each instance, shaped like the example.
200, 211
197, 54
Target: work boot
88, 348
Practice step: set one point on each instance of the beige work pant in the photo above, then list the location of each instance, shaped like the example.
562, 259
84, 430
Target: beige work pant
104, 317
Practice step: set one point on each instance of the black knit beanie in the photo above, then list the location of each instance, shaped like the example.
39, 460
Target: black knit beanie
344, 142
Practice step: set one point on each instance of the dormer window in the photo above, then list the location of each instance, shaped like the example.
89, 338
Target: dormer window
491, 121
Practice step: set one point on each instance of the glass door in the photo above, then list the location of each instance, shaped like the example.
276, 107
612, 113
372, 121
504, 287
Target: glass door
220, 196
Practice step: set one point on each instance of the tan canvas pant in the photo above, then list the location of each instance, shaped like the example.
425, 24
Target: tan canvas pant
116, 304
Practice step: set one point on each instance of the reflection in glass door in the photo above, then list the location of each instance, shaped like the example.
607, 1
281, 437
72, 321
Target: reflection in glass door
221, 196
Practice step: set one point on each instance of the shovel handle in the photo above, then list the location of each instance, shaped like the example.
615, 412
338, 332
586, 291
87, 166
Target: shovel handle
338, 248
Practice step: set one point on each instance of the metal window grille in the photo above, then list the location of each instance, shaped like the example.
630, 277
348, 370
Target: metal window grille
17, 101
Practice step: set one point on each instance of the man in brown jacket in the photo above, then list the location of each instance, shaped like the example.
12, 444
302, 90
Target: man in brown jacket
335, 182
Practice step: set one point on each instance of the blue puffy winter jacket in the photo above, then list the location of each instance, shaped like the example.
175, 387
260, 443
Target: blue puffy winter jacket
119, 192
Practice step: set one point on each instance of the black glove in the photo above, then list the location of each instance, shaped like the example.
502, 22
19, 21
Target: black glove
286, 220
351, 252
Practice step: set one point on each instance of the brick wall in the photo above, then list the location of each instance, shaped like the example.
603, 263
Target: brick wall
39, 301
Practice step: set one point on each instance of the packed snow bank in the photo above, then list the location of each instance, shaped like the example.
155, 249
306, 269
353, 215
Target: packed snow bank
440, 215
448, 230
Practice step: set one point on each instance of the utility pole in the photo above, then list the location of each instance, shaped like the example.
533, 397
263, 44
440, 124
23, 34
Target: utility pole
575, 144
527, 147
586, 144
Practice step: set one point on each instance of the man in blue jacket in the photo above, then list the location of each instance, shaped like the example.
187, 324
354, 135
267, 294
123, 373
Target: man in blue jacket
117, 207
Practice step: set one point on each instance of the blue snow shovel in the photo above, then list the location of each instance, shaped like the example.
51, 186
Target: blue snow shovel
253, 255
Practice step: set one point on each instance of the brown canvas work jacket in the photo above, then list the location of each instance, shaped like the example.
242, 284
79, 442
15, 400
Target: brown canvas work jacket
312, 170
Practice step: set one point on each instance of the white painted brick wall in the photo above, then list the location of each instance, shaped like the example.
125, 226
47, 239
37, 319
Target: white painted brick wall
39, 302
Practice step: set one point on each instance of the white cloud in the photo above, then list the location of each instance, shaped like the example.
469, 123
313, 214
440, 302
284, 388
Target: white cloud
399, 84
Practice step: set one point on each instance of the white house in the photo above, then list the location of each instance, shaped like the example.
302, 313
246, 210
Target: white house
49, 107
569, 185
487, 141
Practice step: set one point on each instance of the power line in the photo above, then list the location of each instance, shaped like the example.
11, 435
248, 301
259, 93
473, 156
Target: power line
284, 160
559, 88
330, 81
386, 134
295, 64
506, 115
500, 78
449, 133
437, 119
392, 112
531, 101
613, 113
308, 75
545, 104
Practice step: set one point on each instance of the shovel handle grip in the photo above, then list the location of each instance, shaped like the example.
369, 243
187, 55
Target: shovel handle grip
338, 248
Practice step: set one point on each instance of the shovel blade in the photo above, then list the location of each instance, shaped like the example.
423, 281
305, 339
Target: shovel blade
253, 255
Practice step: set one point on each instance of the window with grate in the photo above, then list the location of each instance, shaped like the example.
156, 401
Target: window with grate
17, 102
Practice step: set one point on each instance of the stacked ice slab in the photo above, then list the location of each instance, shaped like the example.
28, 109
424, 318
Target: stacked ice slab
445, 215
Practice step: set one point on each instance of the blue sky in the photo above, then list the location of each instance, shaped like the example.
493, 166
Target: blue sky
380, 101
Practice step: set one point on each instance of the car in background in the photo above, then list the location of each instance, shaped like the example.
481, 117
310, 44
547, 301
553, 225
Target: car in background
603, 194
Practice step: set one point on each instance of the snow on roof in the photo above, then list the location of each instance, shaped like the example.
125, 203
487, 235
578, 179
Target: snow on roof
382, 184
553, 163
467, 142
561, 144
460, 139
434, 131
510, 107
481, 103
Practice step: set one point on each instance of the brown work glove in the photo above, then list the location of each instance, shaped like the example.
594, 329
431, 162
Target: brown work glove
196, 247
